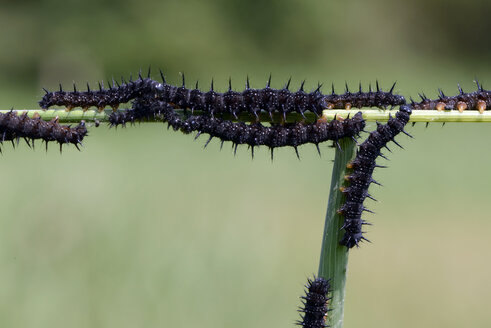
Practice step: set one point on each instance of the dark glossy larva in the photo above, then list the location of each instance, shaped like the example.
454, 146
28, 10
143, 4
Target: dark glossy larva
254, 134
14, 127
361, 177
315, 304
113, 96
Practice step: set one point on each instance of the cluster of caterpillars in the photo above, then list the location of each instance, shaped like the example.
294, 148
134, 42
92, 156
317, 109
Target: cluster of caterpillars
209, 113
158, 99
254, 101
206, 112
250, 100
363, 165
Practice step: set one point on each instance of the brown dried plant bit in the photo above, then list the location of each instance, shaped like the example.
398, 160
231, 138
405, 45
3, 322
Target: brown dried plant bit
461, 106
322, 119
481, 106
440, 106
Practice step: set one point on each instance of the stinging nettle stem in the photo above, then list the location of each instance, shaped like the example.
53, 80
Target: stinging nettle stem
370, 115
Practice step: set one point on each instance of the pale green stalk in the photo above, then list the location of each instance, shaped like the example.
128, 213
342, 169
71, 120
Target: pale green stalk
76, 115
73, 116
417, 115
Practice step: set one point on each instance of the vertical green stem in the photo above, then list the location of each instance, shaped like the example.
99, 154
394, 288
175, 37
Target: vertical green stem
334, 257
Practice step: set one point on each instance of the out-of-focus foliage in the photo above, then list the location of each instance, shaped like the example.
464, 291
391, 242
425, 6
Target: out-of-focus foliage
46, 41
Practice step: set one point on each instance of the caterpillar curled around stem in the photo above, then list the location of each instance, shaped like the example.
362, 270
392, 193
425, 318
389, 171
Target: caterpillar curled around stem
315, 303
361, 178
14, 127
253, 135
252, 101
479, 100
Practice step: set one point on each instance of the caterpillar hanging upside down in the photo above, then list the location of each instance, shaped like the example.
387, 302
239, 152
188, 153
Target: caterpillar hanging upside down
232, 102
16, 127
253, 135
479, 100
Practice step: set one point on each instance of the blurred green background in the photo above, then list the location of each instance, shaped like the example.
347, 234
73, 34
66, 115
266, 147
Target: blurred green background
143, 228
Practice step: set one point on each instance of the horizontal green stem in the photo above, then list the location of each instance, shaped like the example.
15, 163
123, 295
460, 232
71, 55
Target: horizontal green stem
417, 115
76, 115
73, 116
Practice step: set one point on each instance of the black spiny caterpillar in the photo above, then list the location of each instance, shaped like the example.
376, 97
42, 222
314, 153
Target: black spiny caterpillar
14, 127
315, 304
478, 100
361, 177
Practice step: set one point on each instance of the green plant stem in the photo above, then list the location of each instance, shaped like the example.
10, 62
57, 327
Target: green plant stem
73, 116
417, 115
76, 115
334, 257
